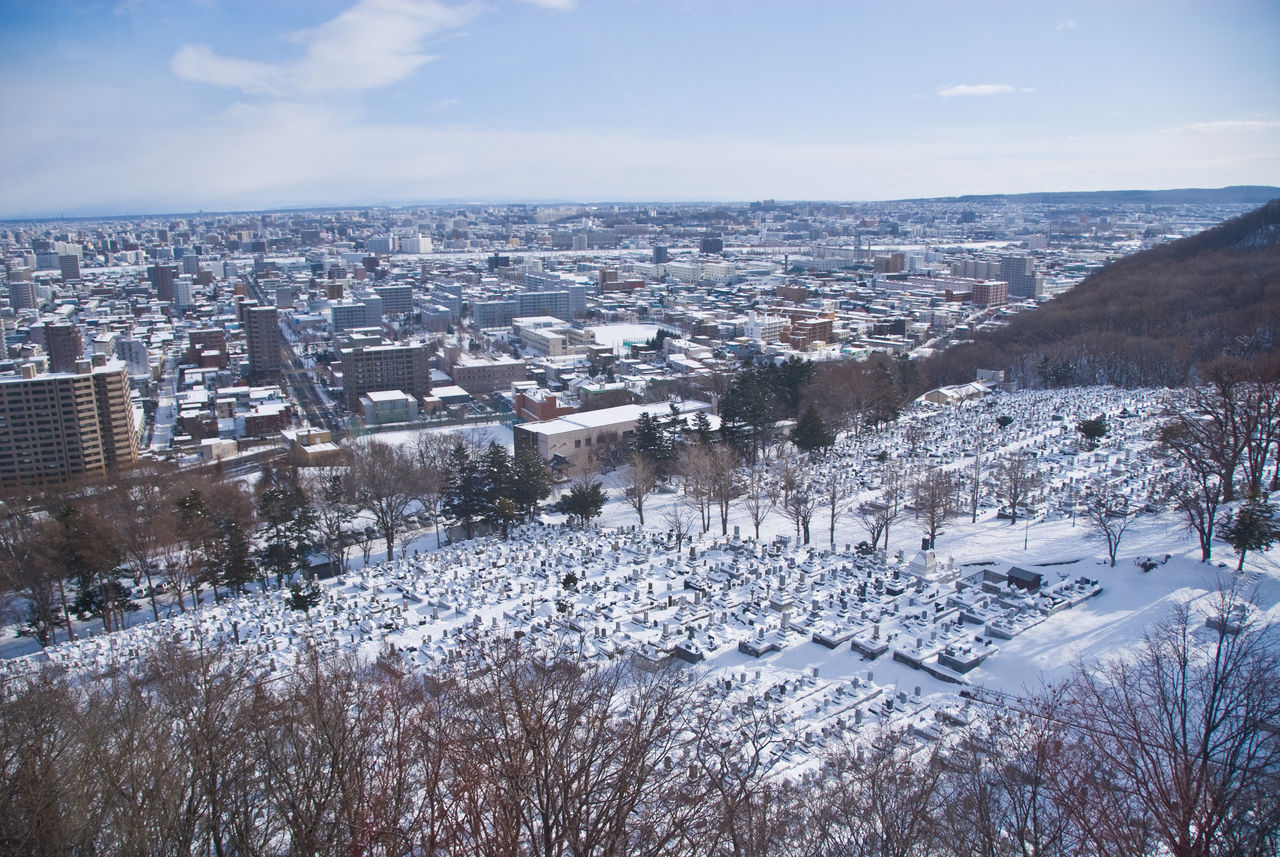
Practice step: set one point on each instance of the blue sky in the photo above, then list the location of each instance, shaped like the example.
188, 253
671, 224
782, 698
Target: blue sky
178, 105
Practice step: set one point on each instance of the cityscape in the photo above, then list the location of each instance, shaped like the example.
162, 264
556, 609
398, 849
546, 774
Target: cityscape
460, 469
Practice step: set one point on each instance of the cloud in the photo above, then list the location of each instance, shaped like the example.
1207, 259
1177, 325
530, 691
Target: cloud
199, 63
1068, 24
372, 44
976, 89
554, 5
1230, 126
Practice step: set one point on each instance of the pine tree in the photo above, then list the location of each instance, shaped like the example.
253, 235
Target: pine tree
1252, 528
584, 501
531, 481
811, 433
464, 498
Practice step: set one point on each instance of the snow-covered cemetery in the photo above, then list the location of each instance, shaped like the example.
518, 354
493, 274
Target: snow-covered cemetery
827, 637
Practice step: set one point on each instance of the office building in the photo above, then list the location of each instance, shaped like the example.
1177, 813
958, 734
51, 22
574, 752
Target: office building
396, 300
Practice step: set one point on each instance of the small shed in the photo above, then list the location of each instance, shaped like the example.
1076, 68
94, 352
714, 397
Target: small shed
1023, 579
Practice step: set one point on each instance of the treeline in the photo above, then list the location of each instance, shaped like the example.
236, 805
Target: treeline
822, 398
194, 749
80, 552
1148, 320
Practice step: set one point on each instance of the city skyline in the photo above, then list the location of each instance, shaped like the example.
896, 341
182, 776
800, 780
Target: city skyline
142, 106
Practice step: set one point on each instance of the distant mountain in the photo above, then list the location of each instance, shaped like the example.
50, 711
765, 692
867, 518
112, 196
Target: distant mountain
1149, 319
1235, 195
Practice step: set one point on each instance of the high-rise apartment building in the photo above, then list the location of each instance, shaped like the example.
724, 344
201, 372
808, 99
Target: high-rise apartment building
64, 346
1020, 273
22, 295
162, 277
69, 267
385, 367
55, 427
262, 330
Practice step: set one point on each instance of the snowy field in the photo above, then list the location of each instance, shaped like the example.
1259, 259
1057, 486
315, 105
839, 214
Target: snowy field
749, 613
617, 335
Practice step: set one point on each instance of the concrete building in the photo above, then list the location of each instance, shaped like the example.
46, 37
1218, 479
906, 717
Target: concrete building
384, 407
262, 330
406, 368
483, 374
55, 427
765, 328
396, 300
1020, 273
162, 277
990, 292
347, 315
581, 437
22, 295
64, 345
69, 267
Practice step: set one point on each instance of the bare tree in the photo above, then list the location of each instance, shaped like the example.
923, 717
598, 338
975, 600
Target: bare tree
1179, 738
799, 504
27, 577
431, 456
697, 469
329, 493
724, 480
1195, 489
642, 476
680, 521
933, 494
876, 516
383, 481
881, 799
836, 497
1016, 480
757, 497
1109, 511
139, 515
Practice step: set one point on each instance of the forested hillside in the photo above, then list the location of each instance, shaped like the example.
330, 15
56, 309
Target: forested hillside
1148, 319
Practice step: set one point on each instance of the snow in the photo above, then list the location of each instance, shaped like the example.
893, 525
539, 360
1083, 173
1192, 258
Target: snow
637, 597
617, 335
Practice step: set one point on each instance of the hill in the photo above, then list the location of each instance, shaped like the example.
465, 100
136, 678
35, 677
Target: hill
1234, 195
1146, 320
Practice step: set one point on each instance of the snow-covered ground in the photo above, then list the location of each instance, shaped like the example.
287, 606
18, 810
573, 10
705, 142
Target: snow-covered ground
481, 433
746, 612
616, 336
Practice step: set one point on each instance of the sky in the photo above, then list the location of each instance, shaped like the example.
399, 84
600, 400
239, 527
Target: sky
153, 106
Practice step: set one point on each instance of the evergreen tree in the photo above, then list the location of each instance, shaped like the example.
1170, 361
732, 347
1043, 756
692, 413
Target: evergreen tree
584, 501
700, 431
303, 595
652, 441
531, 481
1252, 528
290, 523
498, 475
811, 433
466, 495
748, 410
788, 380
1093, 431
